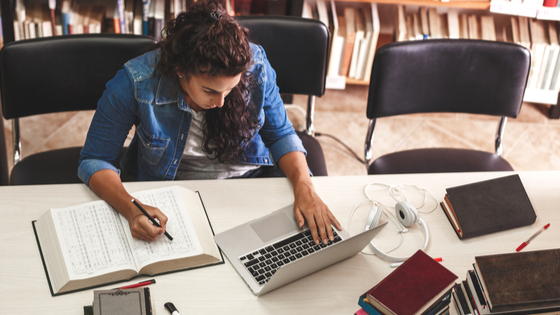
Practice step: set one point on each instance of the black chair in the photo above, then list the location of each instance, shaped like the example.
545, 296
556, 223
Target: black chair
457, 76
297, 49
58, 74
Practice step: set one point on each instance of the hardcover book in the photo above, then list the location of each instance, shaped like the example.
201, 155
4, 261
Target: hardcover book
420, 281
90, 245
489, 206
520, 281
460, 301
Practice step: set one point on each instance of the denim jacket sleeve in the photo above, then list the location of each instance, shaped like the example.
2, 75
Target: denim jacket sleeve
112, 121
277, 132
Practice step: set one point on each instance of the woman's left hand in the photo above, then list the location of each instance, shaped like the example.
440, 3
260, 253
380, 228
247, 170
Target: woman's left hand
309, 207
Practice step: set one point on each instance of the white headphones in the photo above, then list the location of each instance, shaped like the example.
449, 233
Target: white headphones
407, 215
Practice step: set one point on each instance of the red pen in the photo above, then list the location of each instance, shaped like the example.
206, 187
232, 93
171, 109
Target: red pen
136, 285
532, 237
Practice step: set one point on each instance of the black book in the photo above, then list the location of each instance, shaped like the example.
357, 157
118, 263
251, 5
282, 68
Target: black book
469, 297
488, 206
520, 281
480, 306
438, 307
461, 300
457, 301
476, 292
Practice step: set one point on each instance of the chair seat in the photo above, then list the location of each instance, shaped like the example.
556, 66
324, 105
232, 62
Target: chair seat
61, 166
438, 160
315, 157
41, 168
52, 167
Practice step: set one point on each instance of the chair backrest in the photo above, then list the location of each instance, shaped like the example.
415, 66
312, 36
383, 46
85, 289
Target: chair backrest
448, 75
62, 73
297, 49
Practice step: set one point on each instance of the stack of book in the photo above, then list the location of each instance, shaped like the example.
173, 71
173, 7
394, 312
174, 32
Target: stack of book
513, 283
420, 286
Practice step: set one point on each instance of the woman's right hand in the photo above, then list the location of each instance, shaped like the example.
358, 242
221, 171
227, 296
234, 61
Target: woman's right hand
142, 228
107, 185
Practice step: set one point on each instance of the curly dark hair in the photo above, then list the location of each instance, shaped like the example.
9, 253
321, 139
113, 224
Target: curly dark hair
206, 40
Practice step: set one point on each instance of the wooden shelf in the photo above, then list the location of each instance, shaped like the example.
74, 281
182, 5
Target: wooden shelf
356, 82
477, 5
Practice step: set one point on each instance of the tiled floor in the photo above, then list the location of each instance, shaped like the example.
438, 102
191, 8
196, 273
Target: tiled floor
531, 142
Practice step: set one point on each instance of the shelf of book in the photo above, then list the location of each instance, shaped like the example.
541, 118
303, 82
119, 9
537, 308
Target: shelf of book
478, 5
356, 82
415, 23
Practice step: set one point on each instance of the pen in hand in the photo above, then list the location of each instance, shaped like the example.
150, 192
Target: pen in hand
154, 222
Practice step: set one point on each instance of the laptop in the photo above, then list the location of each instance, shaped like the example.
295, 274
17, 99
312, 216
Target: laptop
273, 251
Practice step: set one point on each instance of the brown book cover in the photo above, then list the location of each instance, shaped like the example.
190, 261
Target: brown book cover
521, 281
420, 281
489, 206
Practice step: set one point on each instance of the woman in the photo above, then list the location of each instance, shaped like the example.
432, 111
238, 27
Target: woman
205, 105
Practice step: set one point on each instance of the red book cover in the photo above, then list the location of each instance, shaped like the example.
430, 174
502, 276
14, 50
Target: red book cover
550, 3
413, 287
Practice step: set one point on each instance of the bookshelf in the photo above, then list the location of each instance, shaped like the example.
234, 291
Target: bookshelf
475, 5
532, 94
7, 8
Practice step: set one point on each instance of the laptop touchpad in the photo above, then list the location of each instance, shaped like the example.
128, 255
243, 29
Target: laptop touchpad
273, 226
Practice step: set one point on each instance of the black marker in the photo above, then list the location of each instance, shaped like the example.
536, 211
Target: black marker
154, 222
171, 308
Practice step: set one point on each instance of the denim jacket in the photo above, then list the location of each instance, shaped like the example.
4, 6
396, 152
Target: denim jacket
155, 105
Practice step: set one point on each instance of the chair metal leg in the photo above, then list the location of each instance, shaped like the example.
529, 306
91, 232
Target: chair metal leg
369, 140
310, 127
16, 140
500, 135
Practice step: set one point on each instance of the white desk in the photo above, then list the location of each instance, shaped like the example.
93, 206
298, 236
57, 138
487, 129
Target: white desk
218, 289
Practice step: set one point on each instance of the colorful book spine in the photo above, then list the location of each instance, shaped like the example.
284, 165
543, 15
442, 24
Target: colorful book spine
145, 12
120, 6
366, 306
66, 16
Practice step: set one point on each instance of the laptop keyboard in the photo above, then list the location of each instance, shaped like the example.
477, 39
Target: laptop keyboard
264, 262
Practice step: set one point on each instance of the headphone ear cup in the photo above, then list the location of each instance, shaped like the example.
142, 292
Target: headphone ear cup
406, 213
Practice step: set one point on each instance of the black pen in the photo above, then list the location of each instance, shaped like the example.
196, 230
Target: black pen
151, 219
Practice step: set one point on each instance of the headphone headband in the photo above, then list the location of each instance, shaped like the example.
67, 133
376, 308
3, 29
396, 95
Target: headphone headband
410, 217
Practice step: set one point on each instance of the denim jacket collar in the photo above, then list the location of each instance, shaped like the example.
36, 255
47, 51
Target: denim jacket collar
168, 91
